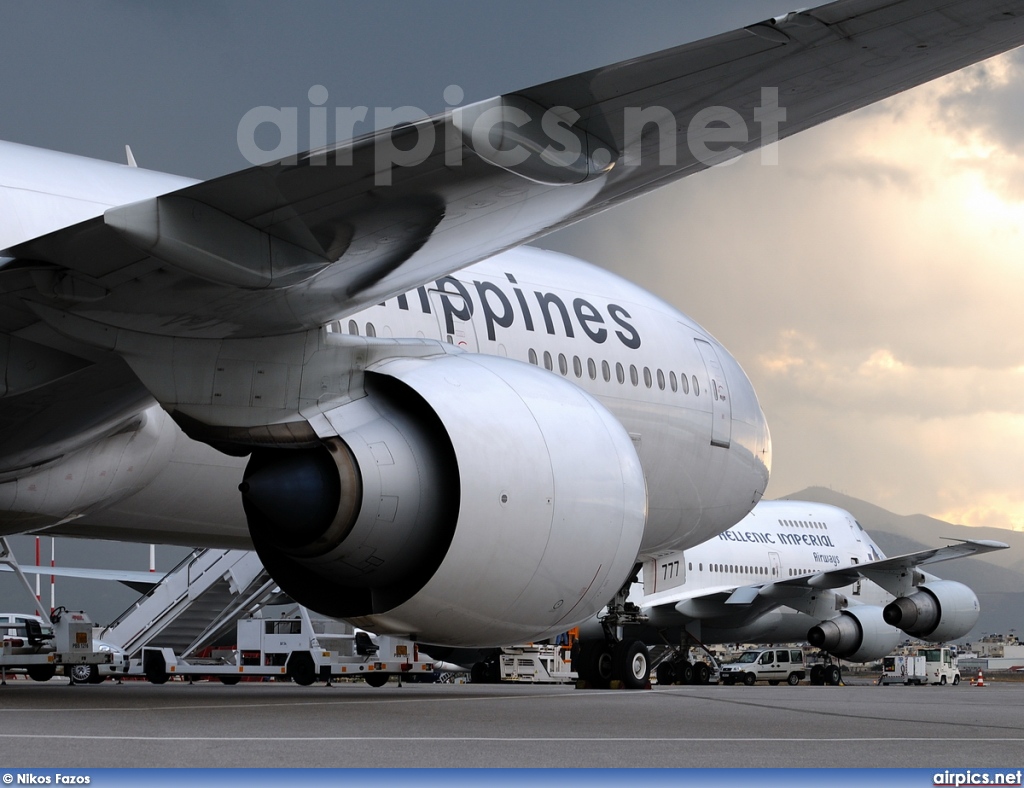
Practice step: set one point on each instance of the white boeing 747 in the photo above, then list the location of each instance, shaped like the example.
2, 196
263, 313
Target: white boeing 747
790, 571
490, 438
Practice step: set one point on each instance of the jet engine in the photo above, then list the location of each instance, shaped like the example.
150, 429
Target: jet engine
939, 611
466, 500
858, 634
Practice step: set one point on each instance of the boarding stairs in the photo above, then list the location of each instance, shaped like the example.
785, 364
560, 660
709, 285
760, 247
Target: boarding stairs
197, 603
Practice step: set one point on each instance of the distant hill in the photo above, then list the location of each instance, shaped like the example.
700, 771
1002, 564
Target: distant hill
997, 578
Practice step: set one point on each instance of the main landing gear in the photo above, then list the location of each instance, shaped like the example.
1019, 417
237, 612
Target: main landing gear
614, 661
828, 673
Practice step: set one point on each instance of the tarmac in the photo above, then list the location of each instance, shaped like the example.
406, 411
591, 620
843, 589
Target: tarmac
136, 724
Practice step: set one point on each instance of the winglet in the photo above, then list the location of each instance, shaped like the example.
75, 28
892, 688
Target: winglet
990, 544
130, 156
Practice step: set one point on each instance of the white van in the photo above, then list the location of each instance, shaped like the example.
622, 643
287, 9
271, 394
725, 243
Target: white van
773, 665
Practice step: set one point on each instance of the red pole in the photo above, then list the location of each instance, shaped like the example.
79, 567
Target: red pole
38, 564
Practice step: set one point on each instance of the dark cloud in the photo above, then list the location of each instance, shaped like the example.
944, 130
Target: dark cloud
988, 98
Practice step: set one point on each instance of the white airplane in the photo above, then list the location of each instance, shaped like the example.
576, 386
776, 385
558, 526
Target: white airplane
484, 458
790, 571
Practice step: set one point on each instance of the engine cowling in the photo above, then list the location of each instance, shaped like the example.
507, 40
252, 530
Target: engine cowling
466, 500
859, 634
939, 611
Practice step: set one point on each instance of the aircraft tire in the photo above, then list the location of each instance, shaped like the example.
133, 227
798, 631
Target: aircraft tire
631, 664
749, 679
833, 676
817, 675
701, 673
666, 674
595, 664
687, 673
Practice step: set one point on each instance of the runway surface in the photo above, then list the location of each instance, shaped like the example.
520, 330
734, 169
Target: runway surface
417, 725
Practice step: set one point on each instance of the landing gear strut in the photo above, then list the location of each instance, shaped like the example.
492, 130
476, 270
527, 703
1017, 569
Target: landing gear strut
614, 659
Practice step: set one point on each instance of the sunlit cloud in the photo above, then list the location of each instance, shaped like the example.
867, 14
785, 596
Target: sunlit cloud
871, 286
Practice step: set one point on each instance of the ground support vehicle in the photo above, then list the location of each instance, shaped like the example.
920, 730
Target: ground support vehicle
928, 666
542, 664
773, 665
42, 648
298, 649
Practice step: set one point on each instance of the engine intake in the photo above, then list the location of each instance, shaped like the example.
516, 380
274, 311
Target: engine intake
939, 611
859, 634
466, 500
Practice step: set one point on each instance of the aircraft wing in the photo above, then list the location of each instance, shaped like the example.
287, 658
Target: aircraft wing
290, 245
121, 575
901, 564
137, 581
719, 601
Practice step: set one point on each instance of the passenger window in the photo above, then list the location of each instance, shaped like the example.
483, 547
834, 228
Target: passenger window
547, 361
696, 387
661, 380
592, 369
577, 366
648, 380
533, 356
606, 371
370, 330
634, 376
620, 374
685, 383
563, 365
672, 381
353, 328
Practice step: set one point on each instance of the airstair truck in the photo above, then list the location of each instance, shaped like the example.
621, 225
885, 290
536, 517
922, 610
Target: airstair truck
299, 649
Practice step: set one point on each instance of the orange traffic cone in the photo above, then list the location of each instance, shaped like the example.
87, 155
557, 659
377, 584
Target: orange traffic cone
981, 679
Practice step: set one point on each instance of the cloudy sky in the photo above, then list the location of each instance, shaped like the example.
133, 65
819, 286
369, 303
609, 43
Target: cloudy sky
871, 284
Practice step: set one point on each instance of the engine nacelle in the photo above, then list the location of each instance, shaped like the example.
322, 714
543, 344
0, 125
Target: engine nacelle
467, 500
858, 634
939, 611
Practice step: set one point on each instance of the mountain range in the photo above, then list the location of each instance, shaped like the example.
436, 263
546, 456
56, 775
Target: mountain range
997, 578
